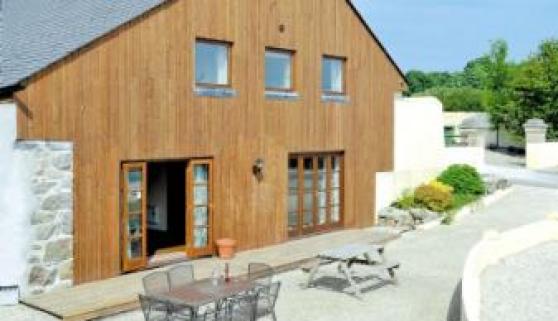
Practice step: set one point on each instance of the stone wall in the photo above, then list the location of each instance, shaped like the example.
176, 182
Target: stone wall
50, 261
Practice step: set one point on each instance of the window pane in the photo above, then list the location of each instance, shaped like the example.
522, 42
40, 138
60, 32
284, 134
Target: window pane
200, 237
212, 65
335, 179
322, 199
293, 220
293, 202
308, 201
322, 216
332, 75
200, 195
134, 249
308, 219
201, 173
335, 197
200, 216
336, 163
308, 173
134, 202
278, 70
335, 214
135, 179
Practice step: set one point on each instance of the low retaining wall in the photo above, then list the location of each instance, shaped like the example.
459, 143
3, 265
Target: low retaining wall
490, 250
542, 155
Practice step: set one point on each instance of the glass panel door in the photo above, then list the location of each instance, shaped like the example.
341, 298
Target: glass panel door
315, 193
133, 200
199, 207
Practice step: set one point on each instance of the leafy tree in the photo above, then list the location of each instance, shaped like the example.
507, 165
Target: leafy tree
535, 90
458, 98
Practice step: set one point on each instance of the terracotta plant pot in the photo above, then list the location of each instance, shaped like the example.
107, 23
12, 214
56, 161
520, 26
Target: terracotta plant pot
226, 248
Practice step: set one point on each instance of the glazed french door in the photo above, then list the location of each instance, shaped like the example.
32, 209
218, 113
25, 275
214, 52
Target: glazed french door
134, 217
315, 193
199, 208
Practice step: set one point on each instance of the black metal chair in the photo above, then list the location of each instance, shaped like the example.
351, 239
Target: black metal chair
156, 283
266, 300
154, 309
181, 275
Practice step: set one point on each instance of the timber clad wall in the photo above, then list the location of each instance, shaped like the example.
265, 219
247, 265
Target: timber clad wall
130, 96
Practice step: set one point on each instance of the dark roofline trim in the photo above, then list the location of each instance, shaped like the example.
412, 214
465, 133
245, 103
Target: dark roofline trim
373, 35
21, 84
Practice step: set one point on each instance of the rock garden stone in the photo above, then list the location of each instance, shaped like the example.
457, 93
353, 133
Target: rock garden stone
423, 215
396, 217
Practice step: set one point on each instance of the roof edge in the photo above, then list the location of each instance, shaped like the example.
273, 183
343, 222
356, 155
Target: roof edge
22, 83
373, 35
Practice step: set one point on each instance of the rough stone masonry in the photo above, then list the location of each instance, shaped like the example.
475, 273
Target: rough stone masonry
50, 259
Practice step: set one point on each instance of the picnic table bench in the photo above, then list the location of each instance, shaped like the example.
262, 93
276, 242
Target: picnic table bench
347, 256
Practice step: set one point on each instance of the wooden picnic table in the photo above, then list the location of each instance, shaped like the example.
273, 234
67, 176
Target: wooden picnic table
349, 255
204, 292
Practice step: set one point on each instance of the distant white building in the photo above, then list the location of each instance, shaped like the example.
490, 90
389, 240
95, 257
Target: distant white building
456, 122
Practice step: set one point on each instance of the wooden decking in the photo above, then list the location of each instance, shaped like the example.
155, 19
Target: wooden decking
103, 298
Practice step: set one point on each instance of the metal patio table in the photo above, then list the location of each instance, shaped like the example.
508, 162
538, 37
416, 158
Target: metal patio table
204, 292
349, 255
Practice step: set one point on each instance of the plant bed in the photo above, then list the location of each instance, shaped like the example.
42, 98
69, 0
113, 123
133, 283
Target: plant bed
459, 189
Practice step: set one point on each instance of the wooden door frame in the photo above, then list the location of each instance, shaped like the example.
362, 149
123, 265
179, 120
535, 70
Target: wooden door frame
127, 264
329, 225
210, 249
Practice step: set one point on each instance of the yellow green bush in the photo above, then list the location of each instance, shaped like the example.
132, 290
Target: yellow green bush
435, 196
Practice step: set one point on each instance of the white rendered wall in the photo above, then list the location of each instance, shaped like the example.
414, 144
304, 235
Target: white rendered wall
15, 203
542, 155
419, 134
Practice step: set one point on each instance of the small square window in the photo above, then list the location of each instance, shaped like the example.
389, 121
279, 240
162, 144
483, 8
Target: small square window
333, 78
278, 70
212, 63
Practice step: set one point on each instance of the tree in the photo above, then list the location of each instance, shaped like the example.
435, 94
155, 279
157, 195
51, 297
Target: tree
459, 98
535, 89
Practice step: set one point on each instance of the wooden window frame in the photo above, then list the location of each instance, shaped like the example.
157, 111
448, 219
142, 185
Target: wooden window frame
292, 54
224, 43
343, 60
329, 225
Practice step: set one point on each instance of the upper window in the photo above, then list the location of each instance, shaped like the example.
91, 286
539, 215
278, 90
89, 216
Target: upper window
333, 78
278, 70
212, 63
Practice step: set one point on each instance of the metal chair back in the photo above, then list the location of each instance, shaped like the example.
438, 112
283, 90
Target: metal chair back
181, 275
156, 283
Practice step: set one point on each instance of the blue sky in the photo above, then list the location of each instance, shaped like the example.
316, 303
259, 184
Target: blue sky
445, 34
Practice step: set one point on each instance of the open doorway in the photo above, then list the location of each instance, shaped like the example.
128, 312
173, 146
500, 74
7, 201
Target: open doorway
167, 212
166, 208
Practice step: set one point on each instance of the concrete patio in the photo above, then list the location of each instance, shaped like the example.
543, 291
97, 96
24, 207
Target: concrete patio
107, 297
431, 268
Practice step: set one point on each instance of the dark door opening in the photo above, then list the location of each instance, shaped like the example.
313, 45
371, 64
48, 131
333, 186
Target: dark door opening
166, 212
166, 208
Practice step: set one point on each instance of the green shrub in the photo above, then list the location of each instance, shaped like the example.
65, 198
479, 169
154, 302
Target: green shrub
461, 200
405, 202
434, 198
464, 179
